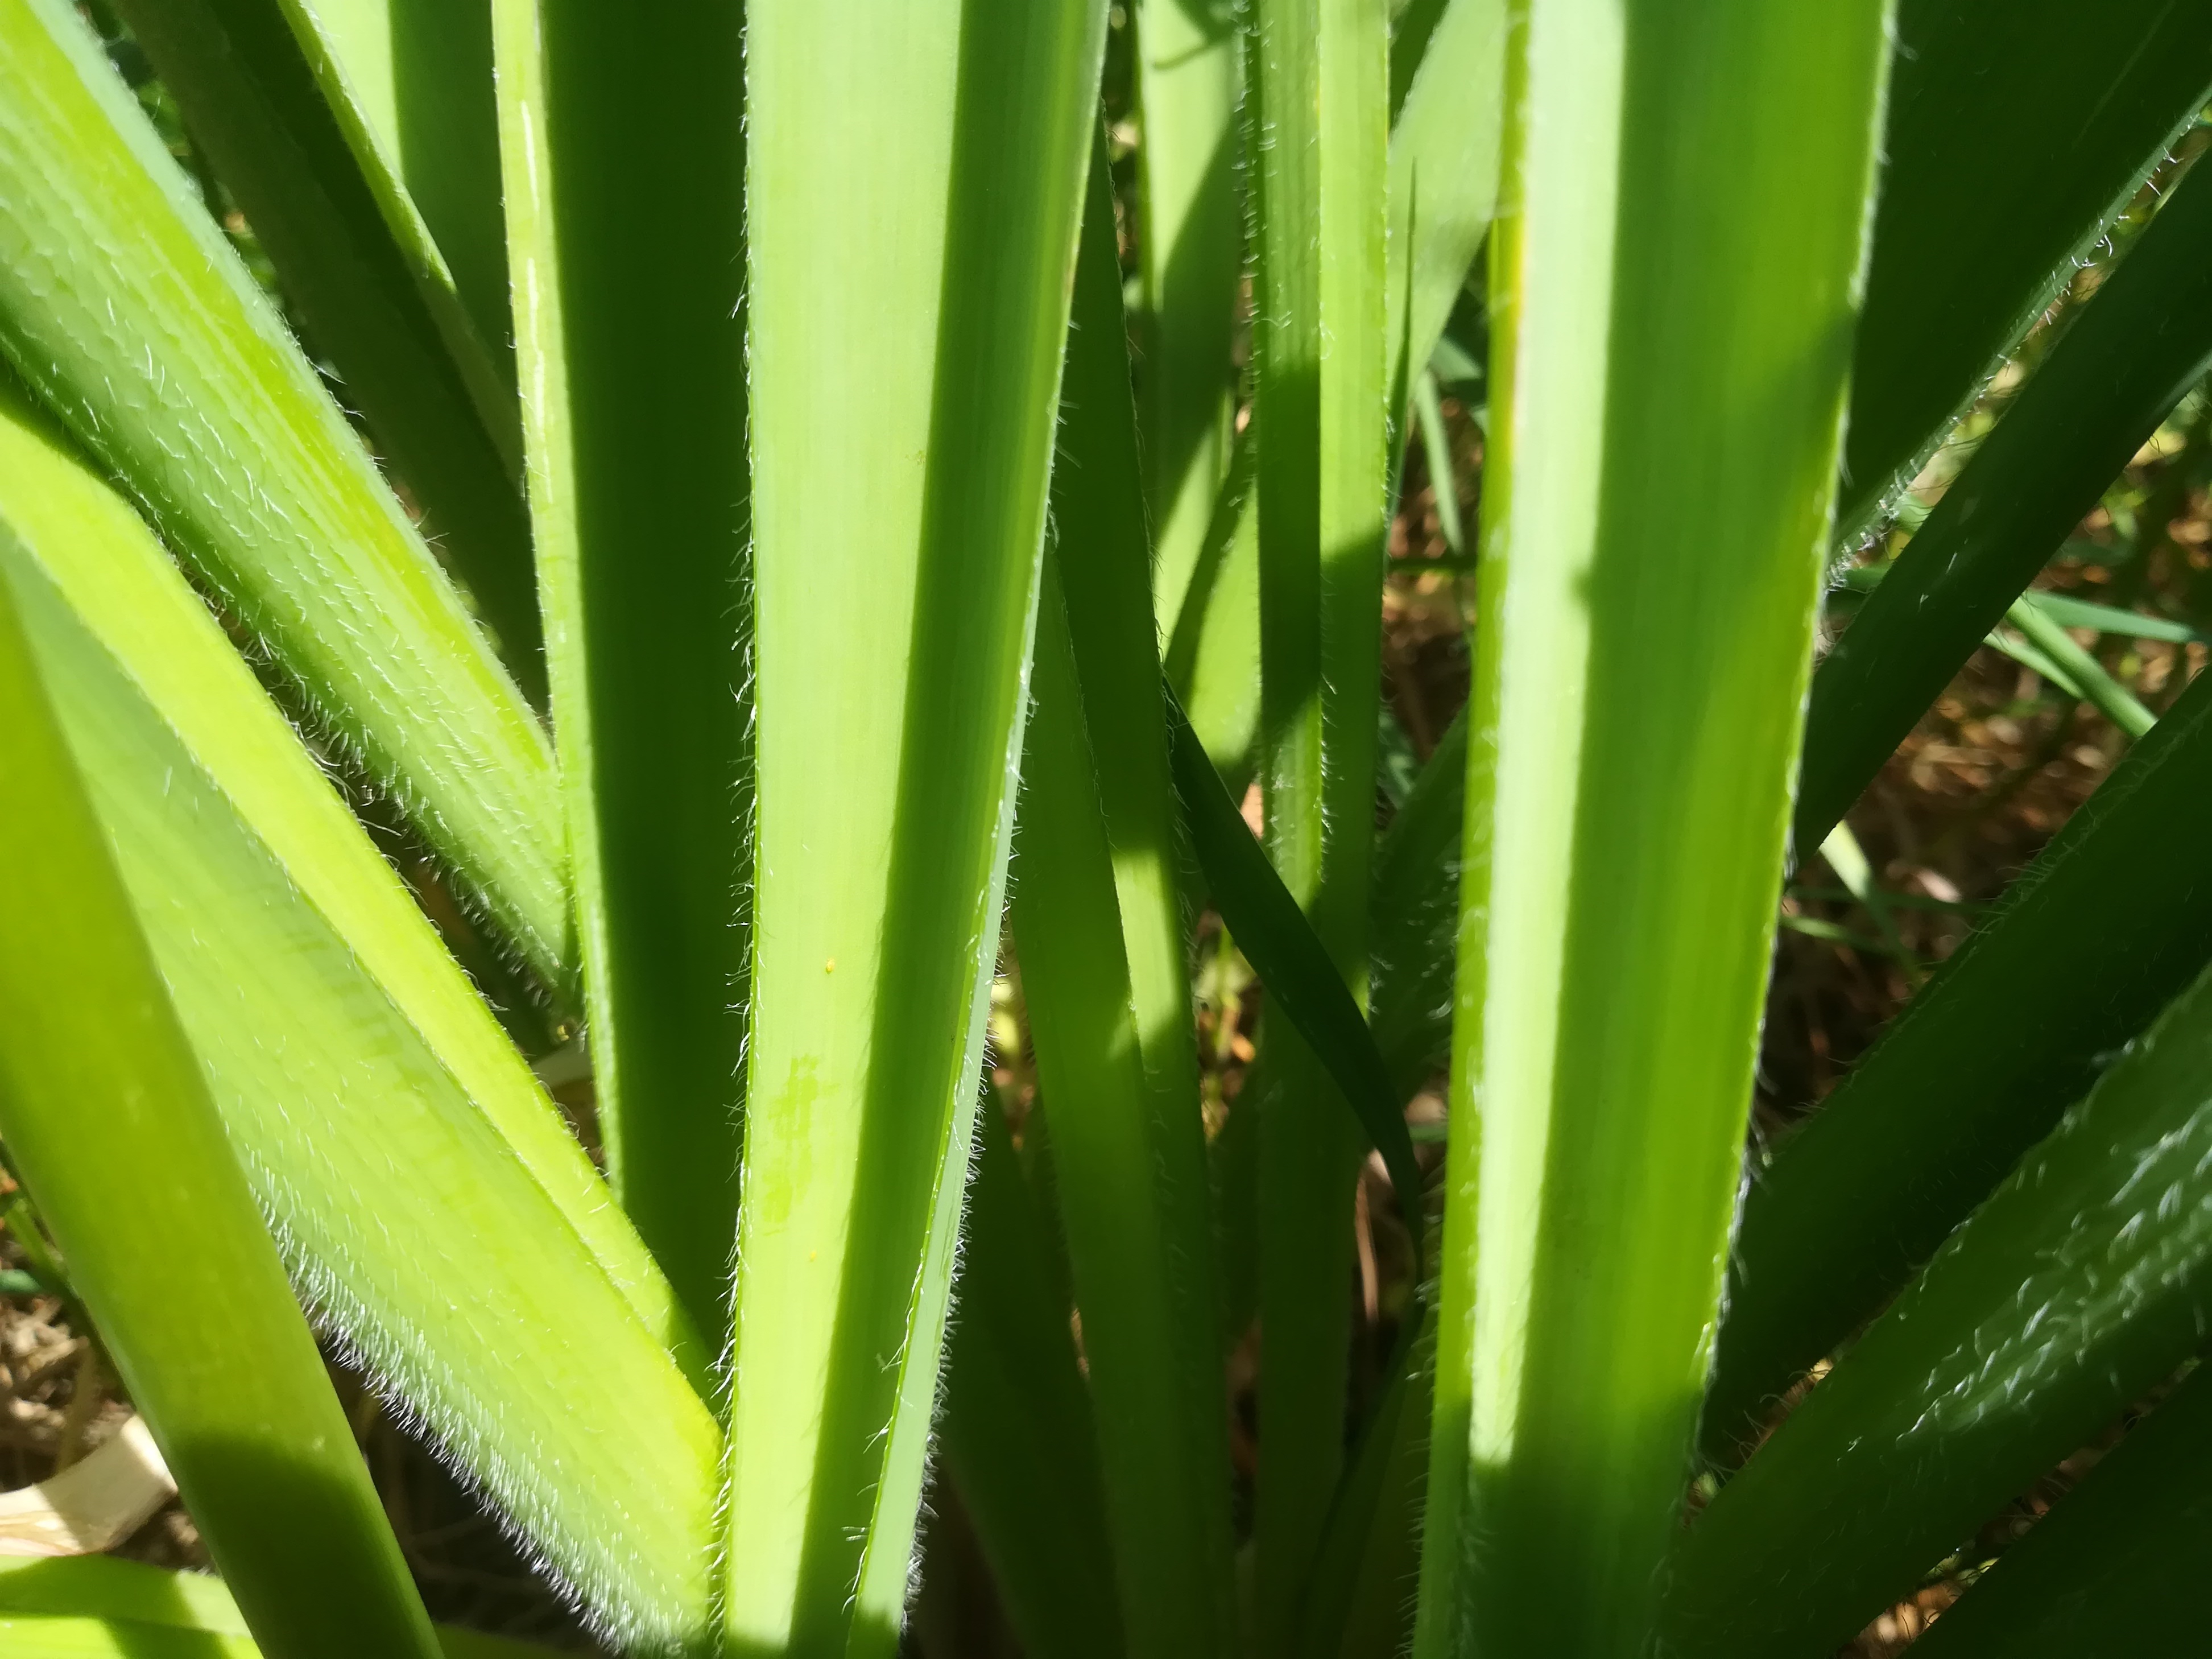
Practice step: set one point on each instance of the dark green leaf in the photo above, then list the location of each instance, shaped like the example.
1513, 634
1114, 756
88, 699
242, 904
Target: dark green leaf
2016, 134
2136, 350
1283, 949
2084, 1281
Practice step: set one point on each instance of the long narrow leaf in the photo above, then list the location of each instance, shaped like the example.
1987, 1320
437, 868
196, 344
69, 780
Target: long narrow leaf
427, 1198
355, 257
1212, 652
1632, 737
2015, 134
70, 1605
120, 588
2112, 922
1019, 1439
1290, 959
2117, 1567
2083, 1280
410, 81
1190, 239
107, 1114
915, 266
1416, 916
1360, 1600
1318, 72
122, 305
1443, 178
2139, 346
1097, 921
1442, 181
627, 215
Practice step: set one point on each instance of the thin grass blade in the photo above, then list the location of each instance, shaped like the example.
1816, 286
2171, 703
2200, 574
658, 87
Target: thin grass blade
626, 216
2131, 355
2091, 681
2015, 134
122, 305
917, 265
1360, 1601
1632, 737
2083, 1281
108, 1118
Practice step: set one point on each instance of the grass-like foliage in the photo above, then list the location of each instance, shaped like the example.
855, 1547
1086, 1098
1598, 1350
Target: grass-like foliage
828, 579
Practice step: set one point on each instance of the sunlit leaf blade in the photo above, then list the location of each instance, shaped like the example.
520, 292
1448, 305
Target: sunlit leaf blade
2015, 134
410, 81
2134, 352
108, 1119
2075, 669
1317, 73
916, 264
2078, 1285
107, 568
1190, 241
2070, 612
1211, 653
1098, 927
2110, 923
355, 257
99, 1638
426, 1198
65, 1637
1666, 394
1019, 1437
629, 254
72, 1605
1443, 151
2117, 1567
121, 302
1443, 178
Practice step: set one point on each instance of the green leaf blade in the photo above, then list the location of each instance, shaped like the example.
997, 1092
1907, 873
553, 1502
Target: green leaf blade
1191, 240
107, 1116
2136, 349
1098, 925
934, 292
1020, 1441
354, 256
633, 368
427, 1198
2078, 1285
2110, 923
2015, 137
2115, 1563
1319, 141
121, 303
1631, 739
